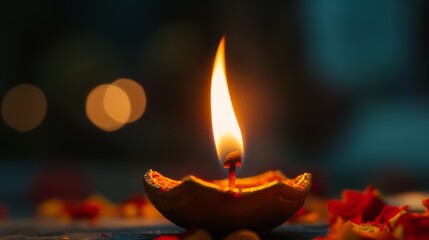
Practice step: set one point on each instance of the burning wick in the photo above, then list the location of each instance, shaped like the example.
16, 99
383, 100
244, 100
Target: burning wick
232, 160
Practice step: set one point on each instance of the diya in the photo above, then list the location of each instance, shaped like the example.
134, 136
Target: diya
259, 203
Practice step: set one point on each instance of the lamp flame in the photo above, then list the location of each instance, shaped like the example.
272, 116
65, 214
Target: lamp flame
226, 131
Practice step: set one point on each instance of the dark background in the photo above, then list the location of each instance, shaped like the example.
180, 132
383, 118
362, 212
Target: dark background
332, 87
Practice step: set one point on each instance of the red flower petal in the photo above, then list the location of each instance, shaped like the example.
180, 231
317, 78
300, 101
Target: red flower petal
413, 226
364, 215
87, 210
167, 237
426, 203
359, 207
388, 212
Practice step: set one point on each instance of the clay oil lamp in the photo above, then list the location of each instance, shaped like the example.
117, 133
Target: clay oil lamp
259, 203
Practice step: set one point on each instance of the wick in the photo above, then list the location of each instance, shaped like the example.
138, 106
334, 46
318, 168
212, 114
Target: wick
232, 177
232, 160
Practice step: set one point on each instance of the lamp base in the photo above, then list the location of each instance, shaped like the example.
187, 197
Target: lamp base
259, 203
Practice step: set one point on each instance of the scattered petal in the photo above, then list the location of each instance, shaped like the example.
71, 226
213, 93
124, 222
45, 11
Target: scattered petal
353, 218
413, 226
167, 237
388, 216
359, 207
426, 203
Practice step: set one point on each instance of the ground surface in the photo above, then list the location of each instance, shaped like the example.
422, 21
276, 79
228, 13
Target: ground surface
122, 229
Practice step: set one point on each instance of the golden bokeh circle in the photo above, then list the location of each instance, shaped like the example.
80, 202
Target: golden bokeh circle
136, 95
116, 104
95, 109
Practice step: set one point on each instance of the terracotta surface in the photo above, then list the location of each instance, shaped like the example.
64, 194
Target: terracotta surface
259, 203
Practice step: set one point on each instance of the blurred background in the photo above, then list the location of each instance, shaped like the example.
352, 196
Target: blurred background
94, 93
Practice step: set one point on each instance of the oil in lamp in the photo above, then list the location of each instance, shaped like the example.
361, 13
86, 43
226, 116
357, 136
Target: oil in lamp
259, 203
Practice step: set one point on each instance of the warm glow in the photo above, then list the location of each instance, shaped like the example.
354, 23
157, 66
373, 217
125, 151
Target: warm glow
111, 106
136, 95
117, 104
24, 107
96, 108
227, 134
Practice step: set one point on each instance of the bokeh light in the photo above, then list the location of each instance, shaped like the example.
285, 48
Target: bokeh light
24, 107
136, 95
96, 108
111, 106
117, 104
